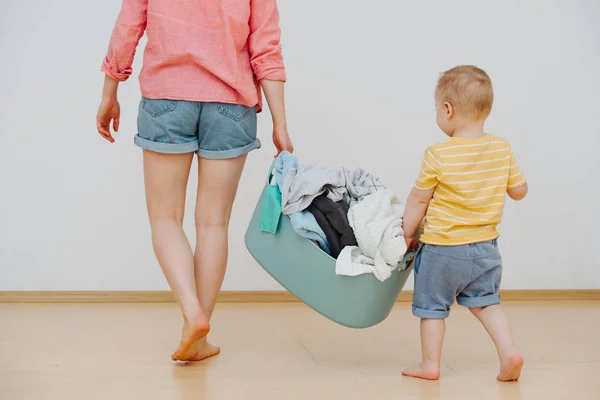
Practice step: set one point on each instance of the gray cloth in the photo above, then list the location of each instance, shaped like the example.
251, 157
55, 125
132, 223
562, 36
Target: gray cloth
360, 184
303, 184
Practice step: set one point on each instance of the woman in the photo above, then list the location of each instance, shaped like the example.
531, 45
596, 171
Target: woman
204, 65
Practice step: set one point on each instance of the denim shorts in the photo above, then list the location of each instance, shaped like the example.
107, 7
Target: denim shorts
212, 130
471, 274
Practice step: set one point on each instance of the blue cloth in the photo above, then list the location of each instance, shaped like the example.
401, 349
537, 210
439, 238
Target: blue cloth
305, 225
471, 274
212, 130
304, 222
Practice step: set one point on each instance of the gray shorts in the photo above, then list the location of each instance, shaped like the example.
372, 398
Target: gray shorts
469, 273
212, 130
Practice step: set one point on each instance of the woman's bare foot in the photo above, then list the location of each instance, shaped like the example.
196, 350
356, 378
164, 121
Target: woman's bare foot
511, 369
199, 351
429, 373
192, 332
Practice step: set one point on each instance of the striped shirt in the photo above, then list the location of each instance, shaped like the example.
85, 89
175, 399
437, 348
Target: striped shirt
470, 178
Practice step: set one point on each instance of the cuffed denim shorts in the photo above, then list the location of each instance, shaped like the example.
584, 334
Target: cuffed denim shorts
212, 130
471, 274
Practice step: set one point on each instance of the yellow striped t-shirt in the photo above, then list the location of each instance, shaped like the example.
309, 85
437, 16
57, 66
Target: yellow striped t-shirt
470, 178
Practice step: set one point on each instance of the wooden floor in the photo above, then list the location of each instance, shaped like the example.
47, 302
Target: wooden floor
286, 351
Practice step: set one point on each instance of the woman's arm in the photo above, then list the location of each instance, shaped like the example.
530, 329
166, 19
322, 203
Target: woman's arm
128, 30
267, 63
109, 109
264, 41
274, 92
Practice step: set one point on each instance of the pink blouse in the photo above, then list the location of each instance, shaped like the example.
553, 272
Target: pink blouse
199, 50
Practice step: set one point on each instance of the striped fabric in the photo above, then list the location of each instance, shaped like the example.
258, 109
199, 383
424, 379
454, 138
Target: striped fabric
470, 178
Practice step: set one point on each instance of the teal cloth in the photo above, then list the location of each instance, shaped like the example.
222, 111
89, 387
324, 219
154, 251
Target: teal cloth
271, 210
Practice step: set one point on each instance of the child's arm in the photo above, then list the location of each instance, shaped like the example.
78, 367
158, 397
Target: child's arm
420, 195
519, 192
416, 208
517, 187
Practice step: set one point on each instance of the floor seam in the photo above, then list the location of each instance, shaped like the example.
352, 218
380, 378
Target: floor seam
451, 369
308, 352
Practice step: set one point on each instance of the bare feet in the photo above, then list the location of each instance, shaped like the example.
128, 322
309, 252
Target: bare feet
192, 332
200, 350
429, 373
511, 369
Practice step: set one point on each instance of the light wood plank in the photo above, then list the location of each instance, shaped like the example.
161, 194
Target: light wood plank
253, 296
287, 351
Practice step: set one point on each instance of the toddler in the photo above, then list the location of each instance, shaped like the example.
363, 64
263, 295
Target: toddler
460, 191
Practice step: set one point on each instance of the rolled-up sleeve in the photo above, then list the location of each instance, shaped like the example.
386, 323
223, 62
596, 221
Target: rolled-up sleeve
264, 41
129, 28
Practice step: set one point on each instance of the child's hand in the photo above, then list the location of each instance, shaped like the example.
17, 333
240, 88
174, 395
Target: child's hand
412, 244
109, 110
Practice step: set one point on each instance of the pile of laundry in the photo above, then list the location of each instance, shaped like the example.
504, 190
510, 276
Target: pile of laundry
349, 214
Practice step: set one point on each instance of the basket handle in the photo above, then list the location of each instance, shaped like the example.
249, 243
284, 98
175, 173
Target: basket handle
271, 169
408, 258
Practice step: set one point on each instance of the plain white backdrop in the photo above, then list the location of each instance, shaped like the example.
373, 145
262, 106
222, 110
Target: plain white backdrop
360, 93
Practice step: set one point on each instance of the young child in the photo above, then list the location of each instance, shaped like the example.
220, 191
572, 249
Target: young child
460, 192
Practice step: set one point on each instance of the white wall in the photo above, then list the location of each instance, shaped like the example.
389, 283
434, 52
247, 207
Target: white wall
361, 78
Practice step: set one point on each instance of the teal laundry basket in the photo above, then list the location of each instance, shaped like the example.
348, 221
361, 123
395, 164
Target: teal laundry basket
306, 271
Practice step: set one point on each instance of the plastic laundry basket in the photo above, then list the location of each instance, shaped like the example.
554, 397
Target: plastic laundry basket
304, 269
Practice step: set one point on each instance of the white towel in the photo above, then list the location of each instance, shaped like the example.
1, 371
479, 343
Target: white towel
377, 225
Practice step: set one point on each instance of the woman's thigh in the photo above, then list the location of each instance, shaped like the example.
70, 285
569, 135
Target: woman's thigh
218, 182
165, 178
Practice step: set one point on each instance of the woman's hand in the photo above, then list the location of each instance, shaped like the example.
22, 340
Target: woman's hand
109, 110
282, 141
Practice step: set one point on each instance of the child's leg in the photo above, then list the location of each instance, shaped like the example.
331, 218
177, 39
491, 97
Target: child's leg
495, 323
437, 277
482, 298
432, 339
165, 179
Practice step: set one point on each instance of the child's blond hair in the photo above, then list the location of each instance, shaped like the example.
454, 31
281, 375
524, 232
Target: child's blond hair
468, 89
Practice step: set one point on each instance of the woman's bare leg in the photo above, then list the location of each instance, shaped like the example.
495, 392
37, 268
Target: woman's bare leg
166, 179
217, 186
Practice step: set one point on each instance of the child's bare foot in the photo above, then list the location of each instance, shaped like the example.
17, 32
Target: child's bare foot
511, 369
429, 373
192, 332
200, 350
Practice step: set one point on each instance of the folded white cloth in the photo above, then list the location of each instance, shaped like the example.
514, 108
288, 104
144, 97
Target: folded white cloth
377, 225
